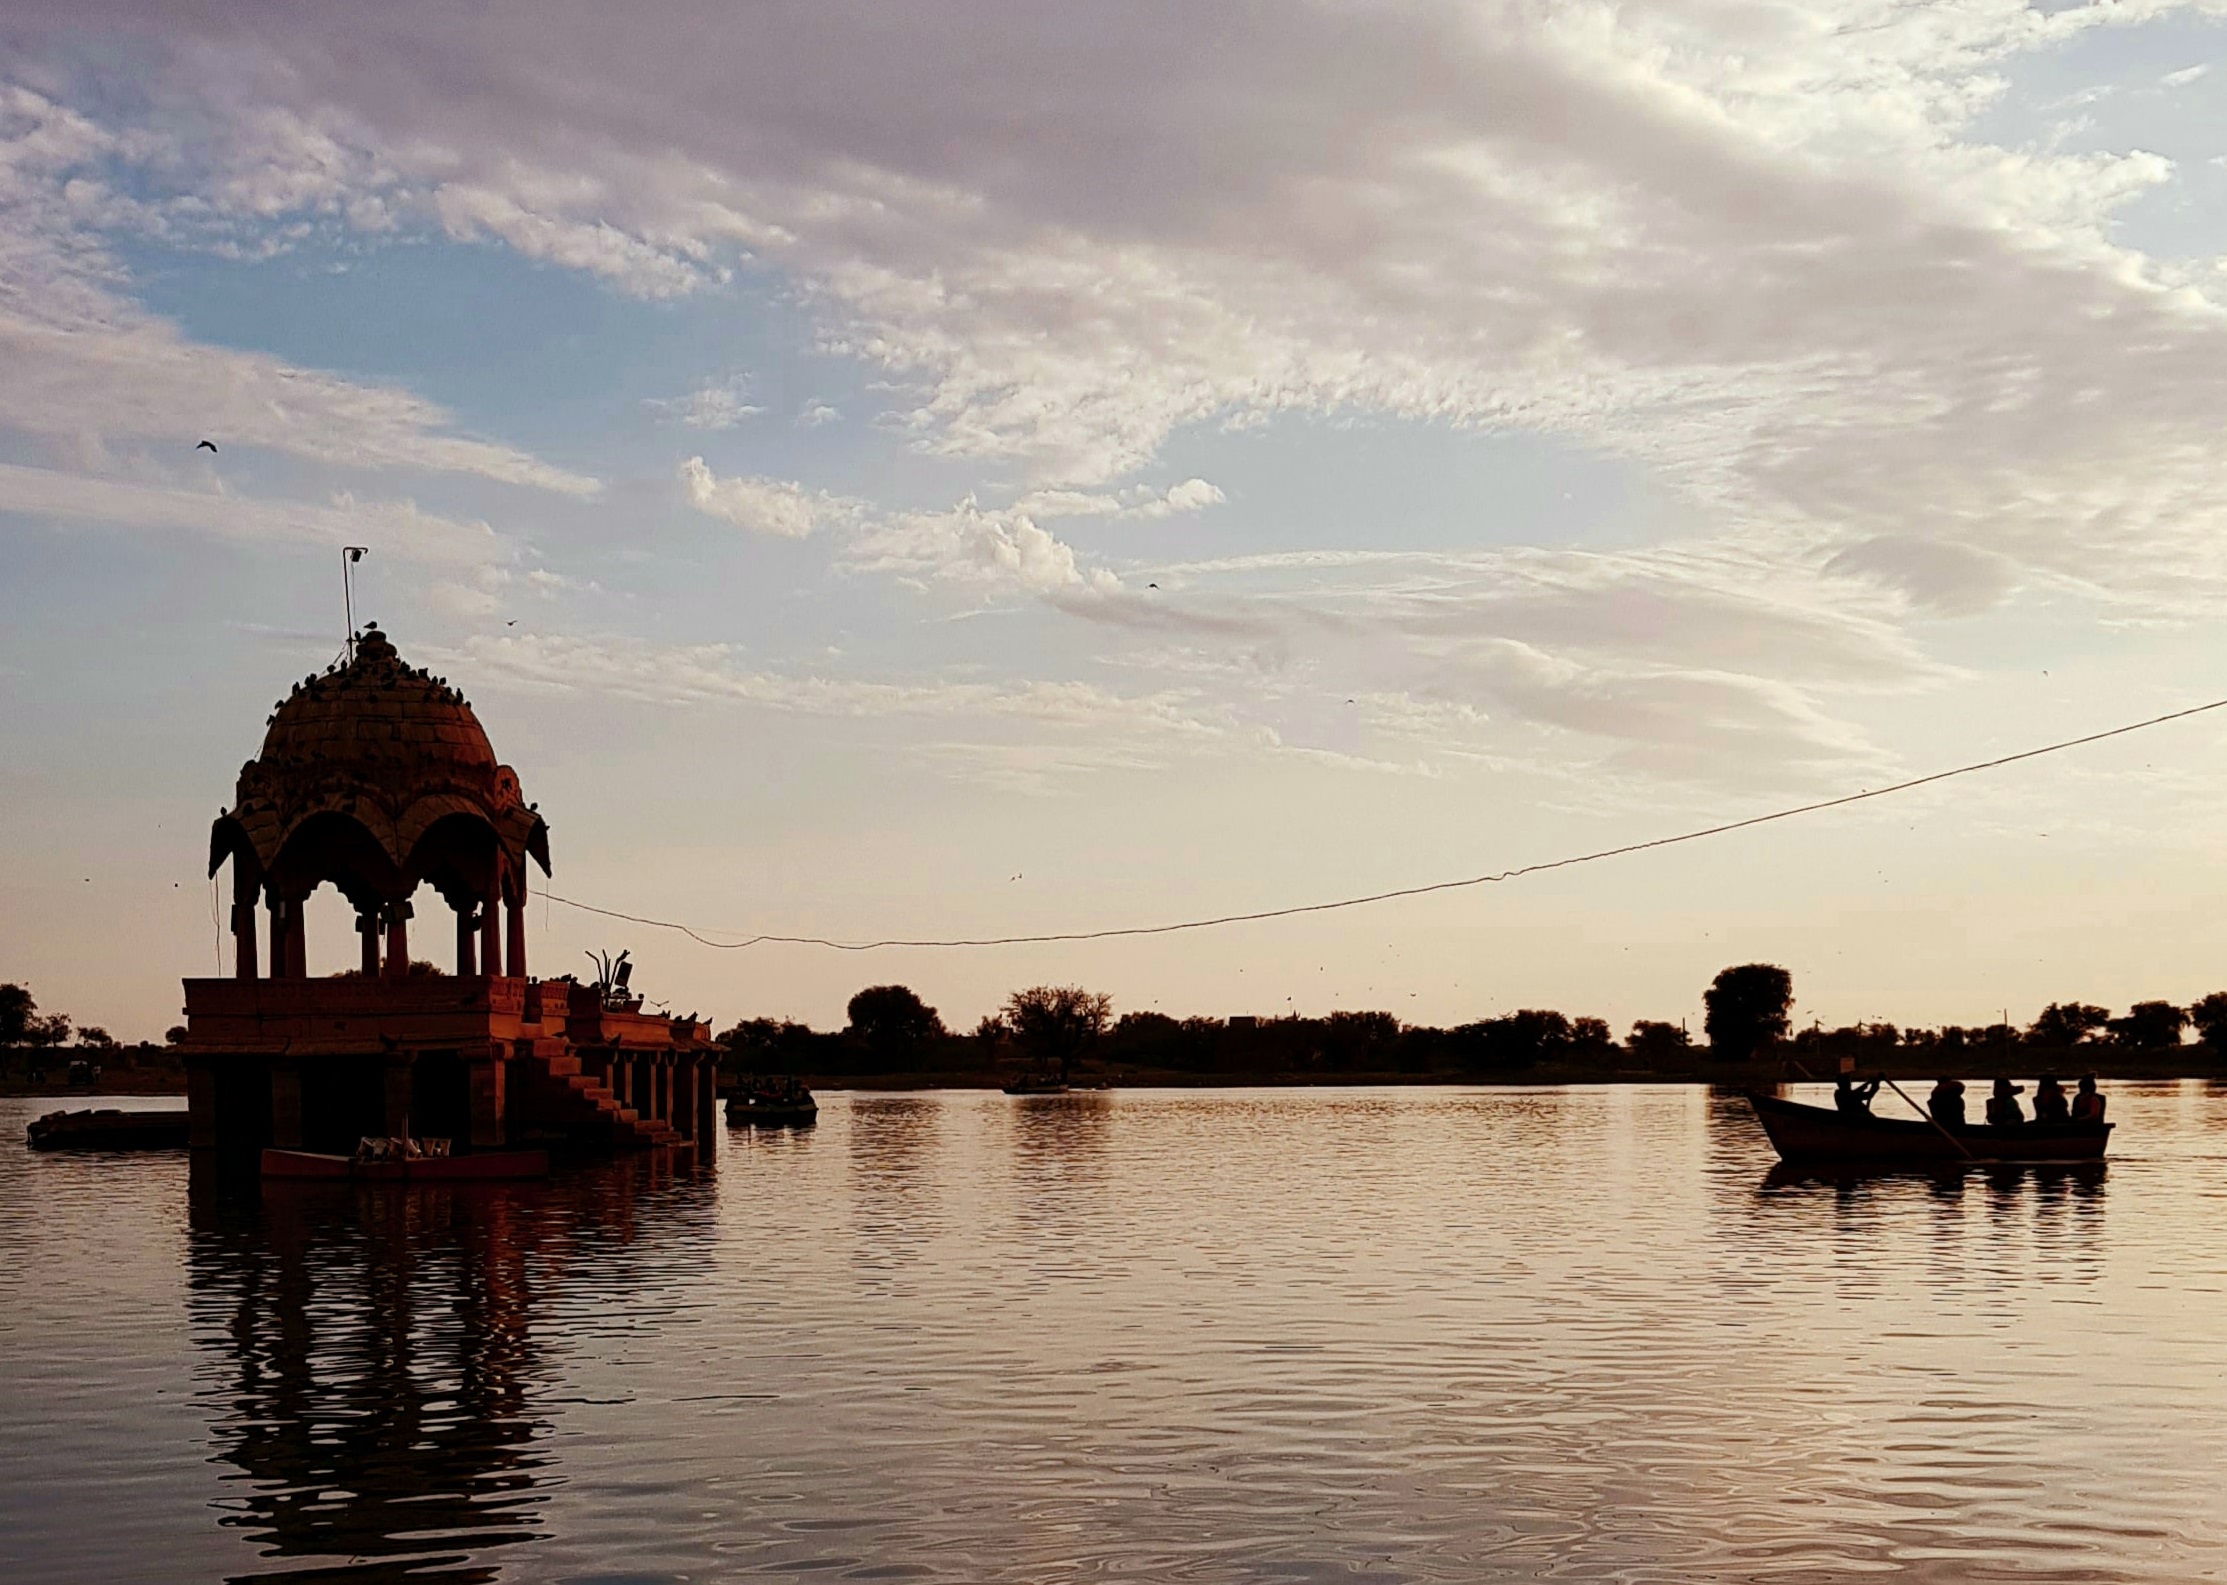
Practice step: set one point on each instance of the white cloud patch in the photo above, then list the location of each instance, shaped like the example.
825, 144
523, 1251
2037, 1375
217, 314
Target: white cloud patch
1136, 501
710, 407
763, 506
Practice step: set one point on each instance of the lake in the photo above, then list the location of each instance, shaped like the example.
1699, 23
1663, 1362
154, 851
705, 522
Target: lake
1270, 1335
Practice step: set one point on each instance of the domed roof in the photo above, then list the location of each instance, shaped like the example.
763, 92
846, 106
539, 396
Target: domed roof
380, 718
388, 749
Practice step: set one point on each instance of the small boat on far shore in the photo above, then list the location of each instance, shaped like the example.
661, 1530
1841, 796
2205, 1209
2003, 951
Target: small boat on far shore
1816, 1135
163, 1128
1036, 1087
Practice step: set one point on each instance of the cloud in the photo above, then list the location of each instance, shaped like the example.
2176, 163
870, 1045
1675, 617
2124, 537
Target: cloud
1137, 501
973, 544
395, 528
1760, 253
1952, 579
85, 361
2185, 76
813, 414
763, 506
709, 407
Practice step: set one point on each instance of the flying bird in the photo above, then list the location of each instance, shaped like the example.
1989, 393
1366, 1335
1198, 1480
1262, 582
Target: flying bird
205, 445
1152, 586
513, 622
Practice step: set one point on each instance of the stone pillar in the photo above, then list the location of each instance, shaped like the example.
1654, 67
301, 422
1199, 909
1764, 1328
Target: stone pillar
244, 965
398, 940
286, 1105
491, 933
515, 964
367, 926
201, 1097
277, 905
467, 932
680, 1089
707, 1107
490, 1078
401, 1089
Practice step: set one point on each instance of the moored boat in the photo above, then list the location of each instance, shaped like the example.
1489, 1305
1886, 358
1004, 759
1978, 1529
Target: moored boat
1813, 1135
109, 1129
394, 1167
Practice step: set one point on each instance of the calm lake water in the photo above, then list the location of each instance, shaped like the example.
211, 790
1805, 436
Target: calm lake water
1279, 1335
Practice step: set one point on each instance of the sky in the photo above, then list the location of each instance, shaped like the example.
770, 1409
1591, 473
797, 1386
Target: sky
887, 470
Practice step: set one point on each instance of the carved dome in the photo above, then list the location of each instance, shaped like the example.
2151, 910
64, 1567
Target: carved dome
358, 766
380, 720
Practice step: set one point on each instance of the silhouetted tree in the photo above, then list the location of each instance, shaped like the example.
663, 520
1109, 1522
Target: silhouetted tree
1520, 1039
891, 1021
2209, 1015
2067, 1023
1659, 1045
1354, 1041
770, 1045
2149, 1026
96, 1037
175, 1035
17, 1009
1747, 1008
1590, 1036
1055, 1024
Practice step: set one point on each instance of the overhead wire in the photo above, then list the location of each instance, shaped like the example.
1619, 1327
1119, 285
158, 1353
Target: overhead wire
1398, 892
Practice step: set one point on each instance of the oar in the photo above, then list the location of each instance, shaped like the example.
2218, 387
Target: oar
1929, 1117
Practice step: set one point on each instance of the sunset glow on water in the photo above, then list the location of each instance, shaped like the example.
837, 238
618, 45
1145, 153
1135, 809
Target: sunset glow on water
1432, 1334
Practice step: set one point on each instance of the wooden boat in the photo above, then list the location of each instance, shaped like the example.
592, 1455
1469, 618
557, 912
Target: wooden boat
787, 1105
482, 1167
1814, 1135
1036, 1086
109, 1129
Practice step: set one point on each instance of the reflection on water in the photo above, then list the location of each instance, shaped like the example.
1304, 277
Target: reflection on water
1412, 1335
373, 1354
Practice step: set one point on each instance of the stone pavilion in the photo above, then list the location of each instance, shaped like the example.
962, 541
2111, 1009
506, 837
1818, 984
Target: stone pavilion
377, 779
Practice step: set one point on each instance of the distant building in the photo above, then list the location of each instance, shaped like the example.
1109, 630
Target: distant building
378, 779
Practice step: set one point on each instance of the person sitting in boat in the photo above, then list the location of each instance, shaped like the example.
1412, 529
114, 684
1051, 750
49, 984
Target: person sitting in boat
1946, 1103
2050, 1103
2003, 1110
1854, 1099
2087, 1106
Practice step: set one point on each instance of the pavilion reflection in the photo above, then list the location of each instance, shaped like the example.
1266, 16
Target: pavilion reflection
372, 1368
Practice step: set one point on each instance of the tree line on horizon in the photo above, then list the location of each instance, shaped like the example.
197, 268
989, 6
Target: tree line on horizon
1046, 1029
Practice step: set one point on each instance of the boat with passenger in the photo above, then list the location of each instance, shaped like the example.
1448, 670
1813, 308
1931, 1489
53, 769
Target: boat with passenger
773, 1103
1819, 1135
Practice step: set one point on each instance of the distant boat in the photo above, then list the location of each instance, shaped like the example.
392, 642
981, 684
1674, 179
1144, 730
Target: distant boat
109, 1129
485, 1166
780, 1103
1036, 1087
1817, 1135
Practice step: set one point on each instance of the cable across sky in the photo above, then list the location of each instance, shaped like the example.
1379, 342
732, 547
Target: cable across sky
1423, 890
